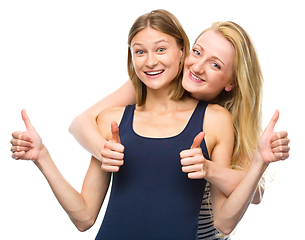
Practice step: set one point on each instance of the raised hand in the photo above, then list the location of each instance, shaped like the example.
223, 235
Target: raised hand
26, 145
113, 152
193, 161
273, 146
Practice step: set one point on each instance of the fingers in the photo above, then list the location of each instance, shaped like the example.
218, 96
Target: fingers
21, 143
194, 171
191, 167
115, 132
111, 165
113, 146
197, 140
282, 155
21, 135
186, 155
113, 155
19, 149
279, 145
279, 135
273, 121
281, 149
192, 160
110, 168
17, 155
26, 120
193, 163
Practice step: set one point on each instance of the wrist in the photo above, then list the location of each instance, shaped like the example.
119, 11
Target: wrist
258, 161
97, 148
208, 170
42, 157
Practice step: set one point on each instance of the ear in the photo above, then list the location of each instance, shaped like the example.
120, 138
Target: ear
230, 87
181, 54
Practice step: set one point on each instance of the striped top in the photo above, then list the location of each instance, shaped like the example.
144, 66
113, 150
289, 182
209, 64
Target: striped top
206, 229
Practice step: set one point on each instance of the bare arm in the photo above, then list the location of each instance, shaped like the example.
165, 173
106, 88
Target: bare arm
232, 191
84, 127
229, 210
226, 180
82, 208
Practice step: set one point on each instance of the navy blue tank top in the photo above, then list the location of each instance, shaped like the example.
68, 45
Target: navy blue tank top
151, 198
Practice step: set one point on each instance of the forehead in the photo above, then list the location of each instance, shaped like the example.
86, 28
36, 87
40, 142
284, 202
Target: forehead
151, 36
215, 43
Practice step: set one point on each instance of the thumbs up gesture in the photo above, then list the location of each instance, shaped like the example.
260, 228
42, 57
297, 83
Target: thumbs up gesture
113, 151
273, 146
193, 161
26, 145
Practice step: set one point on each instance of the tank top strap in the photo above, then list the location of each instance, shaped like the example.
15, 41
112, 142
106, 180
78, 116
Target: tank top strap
196, 121
195, 125
127, 119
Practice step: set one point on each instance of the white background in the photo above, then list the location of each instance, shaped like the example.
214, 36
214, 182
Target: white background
59, 57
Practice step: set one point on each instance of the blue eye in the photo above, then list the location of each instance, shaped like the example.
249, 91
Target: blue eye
140, 52
161, 50
216, 65
197, 53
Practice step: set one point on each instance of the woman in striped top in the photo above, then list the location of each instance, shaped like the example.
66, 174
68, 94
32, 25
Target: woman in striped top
246, 88
206, 228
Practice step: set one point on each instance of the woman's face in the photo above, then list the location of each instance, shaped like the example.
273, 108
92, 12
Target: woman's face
156, 58
209, 67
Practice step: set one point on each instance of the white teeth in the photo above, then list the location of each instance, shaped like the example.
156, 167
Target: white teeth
197, 78
154, 73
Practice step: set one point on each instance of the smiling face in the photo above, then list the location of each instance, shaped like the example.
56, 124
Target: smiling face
156, 57
209, 66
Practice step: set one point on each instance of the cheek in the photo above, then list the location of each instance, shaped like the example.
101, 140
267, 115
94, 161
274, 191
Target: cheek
187, 62
217, 79
137, 64
173, 65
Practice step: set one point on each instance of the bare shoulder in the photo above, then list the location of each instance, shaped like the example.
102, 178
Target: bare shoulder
107, 116
216, 114
218, 127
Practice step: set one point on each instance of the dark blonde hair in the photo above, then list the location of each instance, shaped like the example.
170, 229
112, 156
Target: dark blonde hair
163, 21
244, 102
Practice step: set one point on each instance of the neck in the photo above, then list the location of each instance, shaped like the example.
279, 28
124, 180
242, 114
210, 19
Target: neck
161, 102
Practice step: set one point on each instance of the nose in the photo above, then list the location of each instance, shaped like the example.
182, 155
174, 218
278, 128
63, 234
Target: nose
151, 60
198, 67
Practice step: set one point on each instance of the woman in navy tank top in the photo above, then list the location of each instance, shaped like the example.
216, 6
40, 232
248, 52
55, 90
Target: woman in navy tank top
155, 193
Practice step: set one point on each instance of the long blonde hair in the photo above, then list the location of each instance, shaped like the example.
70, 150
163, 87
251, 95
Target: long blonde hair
244, 102
165, 22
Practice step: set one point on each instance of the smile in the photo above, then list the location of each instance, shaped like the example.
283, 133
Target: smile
154, 73
195, 78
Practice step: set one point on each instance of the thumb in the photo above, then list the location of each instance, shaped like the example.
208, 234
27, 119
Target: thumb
115, 132
197, 140
26, 120
273, 121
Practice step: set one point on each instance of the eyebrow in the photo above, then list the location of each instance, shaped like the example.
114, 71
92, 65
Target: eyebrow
162, 40
213, 57
156, 42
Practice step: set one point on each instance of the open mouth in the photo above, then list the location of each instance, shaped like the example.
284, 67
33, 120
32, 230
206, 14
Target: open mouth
195, 78
154, 73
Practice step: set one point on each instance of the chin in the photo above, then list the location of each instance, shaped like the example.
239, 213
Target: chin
189, 86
